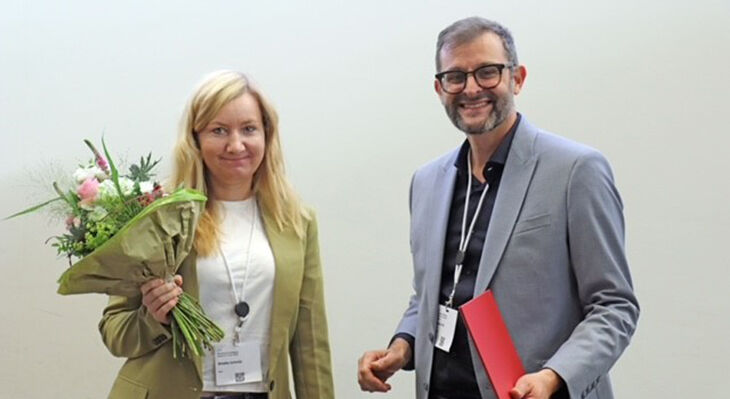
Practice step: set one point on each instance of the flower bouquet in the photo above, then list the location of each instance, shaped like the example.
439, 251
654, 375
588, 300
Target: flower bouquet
124, 231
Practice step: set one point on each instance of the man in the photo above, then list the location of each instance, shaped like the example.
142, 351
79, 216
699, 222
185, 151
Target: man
532, 216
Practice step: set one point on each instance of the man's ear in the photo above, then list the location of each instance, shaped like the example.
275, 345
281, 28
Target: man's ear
437, 87
519, 75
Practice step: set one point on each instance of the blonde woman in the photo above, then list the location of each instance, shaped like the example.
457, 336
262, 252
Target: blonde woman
255, 268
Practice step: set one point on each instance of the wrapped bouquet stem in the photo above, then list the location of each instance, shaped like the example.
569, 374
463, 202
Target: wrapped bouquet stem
126, 231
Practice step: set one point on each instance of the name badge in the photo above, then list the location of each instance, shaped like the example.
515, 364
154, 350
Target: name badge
446, 327
238, 364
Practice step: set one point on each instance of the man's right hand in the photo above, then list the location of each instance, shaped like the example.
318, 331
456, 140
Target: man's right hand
375, 367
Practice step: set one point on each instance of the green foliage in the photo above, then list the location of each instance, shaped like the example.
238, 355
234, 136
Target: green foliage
98, 233
114, 172
33, 208
143, 171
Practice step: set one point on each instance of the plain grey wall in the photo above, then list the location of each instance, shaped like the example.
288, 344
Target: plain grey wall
353, 84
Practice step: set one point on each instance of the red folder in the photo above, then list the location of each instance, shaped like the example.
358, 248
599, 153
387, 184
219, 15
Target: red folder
492, 340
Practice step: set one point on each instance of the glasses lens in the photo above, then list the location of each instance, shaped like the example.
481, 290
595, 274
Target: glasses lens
453, 82
488, 76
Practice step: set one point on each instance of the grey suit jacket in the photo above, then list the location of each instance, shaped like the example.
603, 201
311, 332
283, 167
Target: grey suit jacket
553, 256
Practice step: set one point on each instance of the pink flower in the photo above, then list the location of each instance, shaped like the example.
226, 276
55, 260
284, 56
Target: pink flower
72, 221
88, 191
102, 163
100, 160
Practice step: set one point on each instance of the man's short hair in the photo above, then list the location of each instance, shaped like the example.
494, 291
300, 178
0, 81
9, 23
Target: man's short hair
468, 29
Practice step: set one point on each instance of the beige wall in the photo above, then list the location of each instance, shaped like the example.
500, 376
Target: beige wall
645, 82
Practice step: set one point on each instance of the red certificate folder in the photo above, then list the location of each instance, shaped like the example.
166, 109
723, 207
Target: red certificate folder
492, 340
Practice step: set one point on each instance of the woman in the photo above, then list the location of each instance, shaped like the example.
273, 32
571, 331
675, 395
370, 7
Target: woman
255, 267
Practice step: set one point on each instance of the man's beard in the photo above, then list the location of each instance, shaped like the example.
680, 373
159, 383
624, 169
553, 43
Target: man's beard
501, 108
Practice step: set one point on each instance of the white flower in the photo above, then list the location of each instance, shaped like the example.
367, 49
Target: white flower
97, 213
101, 175
127, 185
81, 174
107, 189
146, 187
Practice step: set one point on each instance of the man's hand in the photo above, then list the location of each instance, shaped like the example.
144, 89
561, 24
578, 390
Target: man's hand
375, 367
539, 385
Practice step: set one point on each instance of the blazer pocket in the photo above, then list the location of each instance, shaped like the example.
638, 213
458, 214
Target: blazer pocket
125, 388
532, 223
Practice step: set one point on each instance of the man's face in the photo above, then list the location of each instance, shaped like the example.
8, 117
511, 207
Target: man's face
476, 110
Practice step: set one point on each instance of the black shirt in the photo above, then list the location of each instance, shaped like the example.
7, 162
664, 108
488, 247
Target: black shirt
452, 374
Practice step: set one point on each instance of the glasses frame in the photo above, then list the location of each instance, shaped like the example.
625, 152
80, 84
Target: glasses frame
500, 67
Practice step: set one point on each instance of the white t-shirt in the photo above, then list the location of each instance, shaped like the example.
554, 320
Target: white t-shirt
254, 283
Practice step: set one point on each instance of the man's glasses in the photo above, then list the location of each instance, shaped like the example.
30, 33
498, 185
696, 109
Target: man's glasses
487, 77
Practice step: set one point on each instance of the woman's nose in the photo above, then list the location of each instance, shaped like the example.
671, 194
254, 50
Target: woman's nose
236, 142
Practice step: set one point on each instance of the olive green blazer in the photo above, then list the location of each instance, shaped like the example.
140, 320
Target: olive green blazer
298, 329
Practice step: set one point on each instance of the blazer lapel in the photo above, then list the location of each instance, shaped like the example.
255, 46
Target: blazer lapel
284, 245
438, 209
516, 179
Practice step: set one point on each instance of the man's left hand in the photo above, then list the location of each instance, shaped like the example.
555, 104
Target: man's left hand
539, 385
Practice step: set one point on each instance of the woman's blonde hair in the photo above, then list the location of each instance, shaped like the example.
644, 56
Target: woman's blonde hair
274, 193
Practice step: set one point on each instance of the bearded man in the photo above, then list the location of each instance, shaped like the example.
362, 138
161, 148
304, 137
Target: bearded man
530, 215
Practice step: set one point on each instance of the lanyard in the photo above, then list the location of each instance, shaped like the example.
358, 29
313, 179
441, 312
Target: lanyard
464, 241
241, 306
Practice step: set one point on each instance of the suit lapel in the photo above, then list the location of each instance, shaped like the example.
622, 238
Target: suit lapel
285, 246
515, 181
438, 209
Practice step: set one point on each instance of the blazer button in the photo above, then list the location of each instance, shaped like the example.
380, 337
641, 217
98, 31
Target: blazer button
271, 386
159, 339
425, 386
431, 337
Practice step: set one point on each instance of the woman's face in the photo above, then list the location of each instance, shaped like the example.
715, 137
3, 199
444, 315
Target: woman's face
232, 147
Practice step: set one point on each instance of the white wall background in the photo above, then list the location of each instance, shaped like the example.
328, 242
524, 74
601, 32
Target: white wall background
646, 82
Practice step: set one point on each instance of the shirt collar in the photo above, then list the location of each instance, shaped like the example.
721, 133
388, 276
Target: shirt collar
500, 155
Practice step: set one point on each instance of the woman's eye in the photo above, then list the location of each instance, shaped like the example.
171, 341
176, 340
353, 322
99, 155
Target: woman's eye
219, 131
250, 129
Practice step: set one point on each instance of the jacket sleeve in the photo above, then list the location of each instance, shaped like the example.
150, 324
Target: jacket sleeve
309, 348
128, 330
604, 287
409, 321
